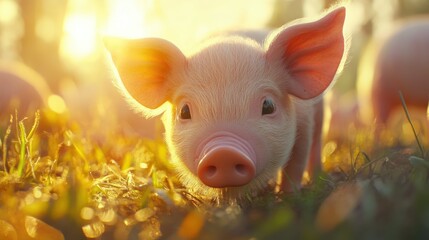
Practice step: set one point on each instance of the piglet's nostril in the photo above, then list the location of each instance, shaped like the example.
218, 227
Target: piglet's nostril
211, 171
241, 169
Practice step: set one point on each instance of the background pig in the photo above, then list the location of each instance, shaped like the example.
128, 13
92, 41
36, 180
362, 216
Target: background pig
21, 88
236, 112
401, 64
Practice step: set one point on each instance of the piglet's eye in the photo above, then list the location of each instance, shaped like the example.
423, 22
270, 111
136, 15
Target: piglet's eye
185, 112
268, 107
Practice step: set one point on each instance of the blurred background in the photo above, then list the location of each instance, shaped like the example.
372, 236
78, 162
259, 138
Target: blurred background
56, 46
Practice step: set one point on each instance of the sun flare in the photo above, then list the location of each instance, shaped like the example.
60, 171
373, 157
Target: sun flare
79, 39
85, 24
130, 19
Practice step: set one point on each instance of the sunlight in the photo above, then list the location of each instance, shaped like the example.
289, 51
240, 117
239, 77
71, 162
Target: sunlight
79, 39
172, 20
83, 25
130, 19
56, 104
8, 11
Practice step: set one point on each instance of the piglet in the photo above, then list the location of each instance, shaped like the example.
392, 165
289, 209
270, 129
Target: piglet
236, 112
402, 65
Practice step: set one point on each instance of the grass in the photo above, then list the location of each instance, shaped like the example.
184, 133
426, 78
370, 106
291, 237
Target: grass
82, 184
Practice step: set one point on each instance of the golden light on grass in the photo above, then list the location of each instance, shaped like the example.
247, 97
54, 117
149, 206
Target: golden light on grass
338, 206
130, 221
108, 216
37, 192
56, 103
144, 214
36, 229
93, 230
20, 226
87, 213
191, 225
7, 231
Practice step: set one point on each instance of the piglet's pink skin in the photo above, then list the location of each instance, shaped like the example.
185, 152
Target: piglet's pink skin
236, 111
402, 65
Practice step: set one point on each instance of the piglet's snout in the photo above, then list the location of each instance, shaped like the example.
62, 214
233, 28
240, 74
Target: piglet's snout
226, 160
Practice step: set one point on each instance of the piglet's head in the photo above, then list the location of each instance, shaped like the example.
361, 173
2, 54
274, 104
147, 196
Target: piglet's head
230, 118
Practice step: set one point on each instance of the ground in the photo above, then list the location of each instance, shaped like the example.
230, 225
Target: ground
59, 181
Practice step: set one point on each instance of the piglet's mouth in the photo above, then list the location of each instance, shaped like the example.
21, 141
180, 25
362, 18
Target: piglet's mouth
225, 160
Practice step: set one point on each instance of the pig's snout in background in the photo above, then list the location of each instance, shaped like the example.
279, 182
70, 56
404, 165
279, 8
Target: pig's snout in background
225, 160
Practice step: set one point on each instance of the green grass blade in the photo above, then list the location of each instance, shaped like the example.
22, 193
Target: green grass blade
4, 146
412, 125
23, 144
418, 162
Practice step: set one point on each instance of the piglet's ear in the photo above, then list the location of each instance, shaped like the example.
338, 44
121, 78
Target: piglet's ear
145, 67
310, 53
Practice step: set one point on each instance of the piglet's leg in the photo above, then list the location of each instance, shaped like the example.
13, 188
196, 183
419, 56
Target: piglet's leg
292, 173
314, 166
307, 149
